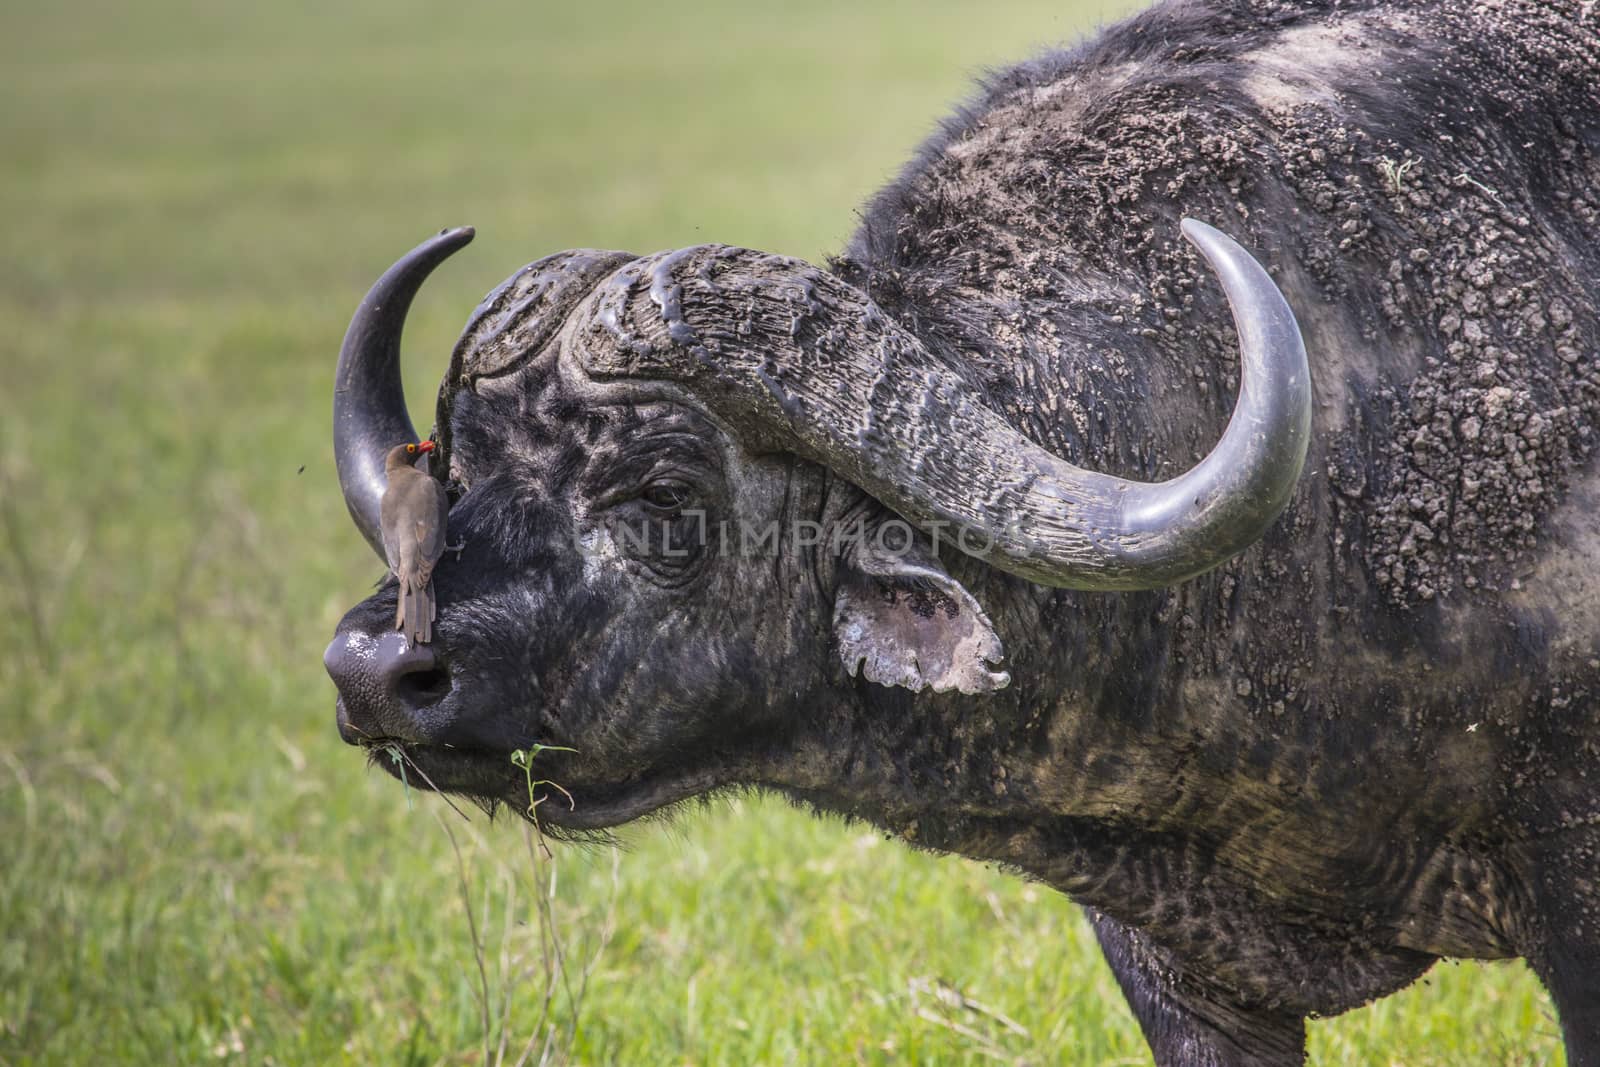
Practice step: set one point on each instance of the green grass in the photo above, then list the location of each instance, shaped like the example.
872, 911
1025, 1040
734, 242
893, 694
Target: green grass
192, 867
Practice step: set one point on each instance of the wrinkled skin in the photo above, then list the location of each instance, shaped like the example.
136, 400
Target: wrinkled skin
1283, 788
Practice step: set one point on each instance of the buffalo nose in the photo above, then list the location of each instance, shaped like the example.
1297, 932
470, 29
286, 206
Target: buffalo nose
388, 687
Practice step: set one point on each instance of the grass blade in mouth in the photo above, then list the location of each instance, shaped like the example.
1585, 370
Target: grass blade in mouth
402, 759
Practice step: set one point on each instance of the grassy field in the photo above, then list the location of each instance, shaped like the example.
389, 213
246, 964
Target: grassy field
193, 868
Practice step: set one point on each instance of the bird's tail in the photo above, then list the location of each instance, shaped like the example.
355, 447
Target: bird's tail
415, 610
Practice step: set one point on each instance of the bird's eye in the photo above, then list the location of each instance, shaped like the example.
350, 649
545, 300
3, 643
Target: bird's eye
411, 448
665, 496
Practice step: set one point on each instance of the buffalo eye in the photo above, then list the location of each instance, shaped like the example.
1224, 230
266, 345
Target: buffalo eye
663, 530
665, 496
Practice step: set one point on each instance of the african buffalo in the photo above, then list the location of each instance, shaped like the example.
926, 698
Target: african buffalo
936, 536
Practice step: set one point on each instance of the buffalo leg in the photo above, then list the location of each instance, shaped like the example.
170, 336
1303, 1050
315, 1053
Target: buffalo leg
1186, 1029
1567, 957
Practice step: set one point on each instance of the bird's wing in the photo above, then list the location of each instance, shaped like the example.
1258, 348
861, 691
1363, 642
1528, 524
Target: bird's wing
389, 520
433, 522
422, 512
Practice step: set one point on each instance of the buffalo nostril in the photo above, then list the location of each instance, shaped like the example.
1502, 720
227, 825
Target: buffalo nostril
411, 673
422, 688
388, 687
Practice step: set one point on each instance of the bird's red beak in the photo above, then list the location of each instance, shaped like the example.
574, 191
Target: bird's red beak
426, 446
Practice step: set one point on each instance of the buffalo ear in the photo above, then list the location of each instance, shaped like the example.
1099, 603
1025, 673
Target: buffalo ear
900, 619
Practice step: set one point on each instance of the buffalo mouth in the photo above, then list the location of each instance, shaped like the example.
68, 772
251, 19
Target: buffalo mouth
490, 779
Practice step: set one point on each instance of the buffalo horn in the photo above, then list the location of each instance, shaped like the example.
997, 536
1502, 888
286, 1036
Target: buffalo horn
369, 403
796, 359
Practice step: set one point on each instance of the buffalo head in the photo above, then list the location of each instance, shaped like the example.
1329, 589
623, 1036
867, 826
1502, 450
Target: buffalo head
701, 494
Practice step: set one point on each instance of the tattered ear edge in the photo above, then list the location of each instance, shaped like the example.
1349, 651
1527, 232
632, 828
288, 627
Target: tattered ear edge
882, 636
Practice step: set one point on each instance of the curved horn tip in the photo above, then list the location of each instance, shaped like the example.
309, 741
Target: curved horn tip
1208, 238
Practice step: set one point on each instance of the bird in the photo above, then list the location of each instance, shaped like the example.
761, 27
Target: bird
412, 517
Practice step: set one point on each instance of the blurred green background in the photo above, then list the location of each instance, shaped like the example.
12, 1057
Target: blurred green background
193, 868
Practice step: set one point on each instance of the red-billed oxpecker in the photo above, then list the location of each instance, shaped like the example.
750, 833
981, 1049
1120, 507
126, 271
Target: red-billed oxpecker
413, 514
